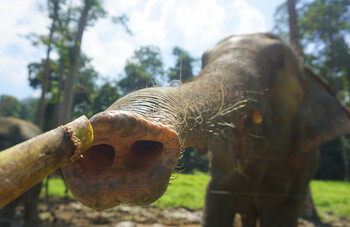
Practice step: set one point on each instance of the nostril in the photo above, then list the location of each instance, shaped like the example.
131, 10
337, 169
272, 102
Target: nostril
144, 153
146, 147
97, 159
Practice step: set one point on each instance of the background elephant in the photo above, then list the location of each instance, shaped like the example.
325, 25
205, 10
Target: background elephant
12, 132
262, 114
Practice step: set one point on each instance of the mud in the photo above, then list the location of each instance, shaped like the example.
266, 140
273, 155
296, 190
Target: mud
67, 212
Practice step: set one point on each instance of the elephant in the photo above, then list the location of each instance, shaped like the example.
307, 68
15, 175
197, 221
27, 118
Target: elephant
261, 113
12, 132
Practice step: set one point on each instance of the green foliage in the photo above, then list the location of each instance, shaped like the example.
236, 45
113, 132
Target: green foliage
29, 109
143, 70
84, 87
10, 106
331, 165
321, 20
36, 71
193, 160
25, 109
136, 79
67, 26
281, 21
104, 97
96, 11
323, 26
123, 21
183, 66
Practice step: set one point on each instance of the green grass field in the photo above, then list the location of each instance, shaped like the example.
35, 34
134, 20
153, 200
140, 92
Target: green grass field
332, 199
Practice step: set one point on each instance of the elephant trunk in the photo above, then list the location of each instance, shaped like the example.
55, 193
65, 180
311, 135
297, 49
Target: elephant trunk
138, 139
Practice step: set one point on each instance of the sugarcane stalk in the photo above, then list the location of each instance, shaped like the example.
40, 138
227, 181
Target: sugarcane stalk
24, 165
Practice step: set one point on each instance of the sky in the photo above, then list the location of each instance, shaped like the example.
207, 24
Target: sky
194, 25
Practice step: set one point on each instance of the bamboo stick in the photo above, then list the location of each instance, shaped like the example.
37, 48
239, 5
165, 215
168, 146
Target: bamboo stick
24, 165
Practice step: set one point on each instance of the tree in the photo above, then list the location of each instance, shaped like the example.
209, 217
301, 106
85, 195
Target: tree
281, 21
91, 11
182, 70
84, 87
323, 24
9, 106
29, 108
293, 28
35, 76
58, 78
104, 97
53, 6
144, 69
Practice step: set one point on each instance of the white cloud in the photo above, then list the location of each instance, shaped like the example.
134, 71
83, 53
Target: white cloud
16, 52
193, 25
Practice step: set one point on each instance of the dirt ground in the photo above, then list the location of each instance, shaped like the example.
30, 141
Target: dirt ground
59, 212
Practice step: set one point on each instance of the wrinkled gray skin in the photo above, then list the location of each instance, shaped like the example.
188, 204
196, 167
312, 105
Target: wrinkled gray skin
12, 132
262, 113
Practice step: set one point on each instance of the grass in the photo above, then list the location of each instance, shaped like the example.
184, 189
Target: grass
57, 188
185, 190
332, 199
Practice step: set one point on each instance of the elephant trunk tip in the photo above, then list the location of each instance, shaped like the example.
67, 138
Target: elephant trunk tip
130, 161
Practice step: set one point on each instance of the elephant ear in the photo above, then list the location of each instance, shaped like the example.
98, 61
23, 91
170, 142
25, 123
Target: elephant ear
320, 117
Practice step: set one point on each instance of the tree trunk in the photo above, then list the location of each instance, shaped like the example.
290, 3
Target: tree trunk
65, 110
45, 78
58, 104
293, 28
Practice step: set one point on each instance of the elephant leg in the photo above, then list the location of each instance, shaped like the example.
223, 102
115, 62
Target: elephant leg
218, 211
285, 214
308, 208
249, 220
219, 207
8, 212
31, 198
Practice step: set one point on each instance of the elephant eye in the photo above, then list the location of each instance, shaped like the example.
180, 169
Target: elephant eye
257, 117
